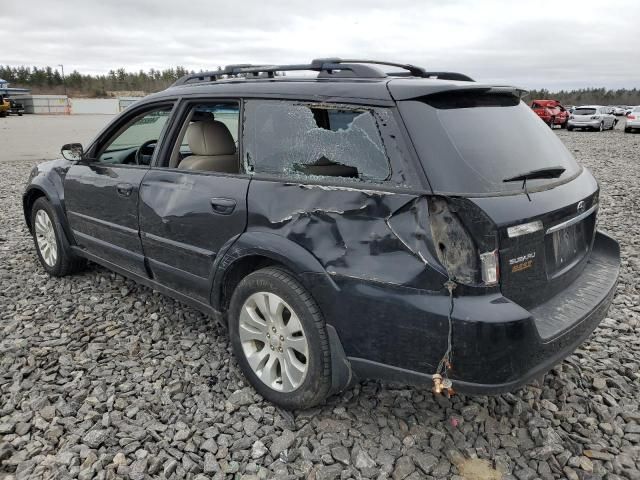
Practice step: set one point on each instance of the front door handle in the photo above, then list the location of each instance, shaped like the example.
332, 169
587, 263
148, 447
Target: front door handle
124, 189
223, 206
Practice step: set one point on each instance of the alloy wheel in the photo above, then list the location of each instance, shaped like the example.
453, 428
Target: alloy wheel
273, 341
46, 238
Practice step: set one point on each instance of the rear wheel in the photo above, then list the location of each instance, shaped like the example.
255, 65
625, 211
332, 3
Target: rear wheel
53, 251
552, 122
279, 339
569, 127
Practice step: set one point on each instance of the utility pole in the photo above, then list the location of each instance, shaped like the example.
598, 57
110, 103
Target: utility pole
64, 84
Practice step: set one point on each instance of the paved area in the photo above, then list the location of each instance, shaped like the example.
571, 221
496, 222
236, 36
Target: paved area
40, 137
102, 378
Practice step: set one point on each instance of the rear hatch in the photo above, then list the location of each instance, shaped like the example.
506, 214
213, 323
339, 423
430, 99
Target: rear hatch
584, 114
480, 145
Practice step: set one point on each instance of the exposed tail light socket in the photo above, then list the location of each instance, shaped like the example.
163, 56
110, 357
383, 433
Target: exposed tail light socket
489, 267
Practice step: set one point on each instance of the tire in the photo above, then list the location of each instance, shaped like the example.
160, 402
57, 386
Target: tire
569, 128
254, 336
601, 128
51, 245
627, 130
552, 122
563, 125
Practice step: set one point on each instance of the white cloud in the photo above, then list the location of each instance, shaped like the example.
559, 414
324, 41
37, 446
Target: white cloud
535, 44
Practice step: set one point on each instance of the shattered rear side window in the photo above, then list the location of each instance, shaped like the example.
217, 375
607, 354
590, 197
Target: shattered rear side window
307, 140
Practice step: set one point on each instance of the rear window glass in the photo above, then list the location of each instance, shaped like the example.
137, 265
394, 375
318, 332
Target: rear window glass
469, 142
584, 111
300, 139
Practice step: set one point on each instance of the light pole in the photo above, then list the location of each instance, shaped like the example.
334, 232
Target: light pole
64, 84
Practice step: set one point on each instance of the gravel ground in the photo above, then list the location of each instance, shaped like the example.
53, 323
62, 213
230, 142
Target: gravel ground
101, 378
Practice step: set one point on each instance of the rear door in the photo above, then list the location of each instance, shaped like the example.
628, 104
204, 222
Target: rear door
189, 215
102, 191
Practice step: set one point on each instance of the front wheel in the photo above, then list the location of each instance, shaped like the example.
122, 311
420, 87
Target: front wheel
279, 339
53, 252
601, 128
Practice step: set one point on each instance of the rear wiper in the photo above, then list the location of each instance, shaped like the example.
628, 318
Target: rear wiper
548, 172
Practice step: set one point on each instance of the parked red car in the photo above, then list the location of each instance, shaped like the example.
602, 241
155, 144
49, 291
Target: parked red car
551, 112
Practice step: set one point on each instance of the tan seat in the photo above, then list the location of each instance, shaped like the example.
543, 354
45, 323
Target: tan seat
212, 148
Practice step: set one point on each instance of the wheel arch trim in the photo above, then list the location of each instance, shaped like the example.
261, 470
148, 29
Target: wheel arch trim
301, 263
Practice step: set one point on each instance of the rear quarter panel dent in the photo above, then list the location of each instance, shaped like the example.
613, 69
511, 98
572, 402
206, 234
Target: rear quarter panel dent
372, 235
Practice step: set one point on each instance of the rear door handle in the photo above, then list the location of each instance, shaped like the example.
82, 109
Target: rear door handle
223, 206
124, 189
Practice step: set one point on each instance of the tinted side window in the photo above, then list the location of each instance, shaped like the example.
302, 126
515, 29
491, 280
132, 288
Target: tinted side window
303, 139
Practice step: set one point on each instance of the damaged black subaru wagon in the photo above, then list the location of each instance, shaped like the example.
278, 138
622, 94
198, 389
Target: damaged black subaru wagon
374, 221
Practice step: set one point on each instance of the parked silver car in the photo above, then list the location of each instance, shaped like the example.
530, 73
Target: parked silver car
633, 120
592, 117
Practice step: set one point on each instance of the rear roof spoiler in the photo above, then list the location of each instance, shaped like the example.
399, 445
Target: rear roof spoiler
402, 90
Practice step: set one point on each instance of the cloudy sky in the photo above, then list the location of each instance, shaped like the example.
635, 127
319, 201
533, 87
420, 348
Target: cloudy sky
544, 43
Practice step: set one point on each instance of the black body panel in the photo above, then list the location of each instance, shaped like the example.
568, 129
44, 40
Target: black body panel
543, 277
183, 225
498, 346
370, 235
101, 202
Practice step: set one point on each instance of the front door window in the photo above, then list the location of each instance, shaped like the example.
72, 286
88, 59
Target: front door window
135, 142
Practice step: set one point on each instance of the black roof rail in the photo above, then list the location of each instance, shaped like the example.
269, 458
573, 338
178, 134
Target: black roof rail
327, 68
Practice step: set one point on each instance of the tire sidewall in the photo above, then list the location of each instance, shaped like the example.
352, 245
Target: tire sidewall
43, 204
314, 387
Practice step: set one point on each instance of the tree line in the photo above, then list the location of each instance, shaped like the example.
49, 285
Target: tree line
589, 96
48, 80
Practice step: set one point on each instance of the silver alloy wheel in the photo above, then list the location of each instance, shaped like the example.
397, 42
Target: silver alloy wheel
46, 238
273, 341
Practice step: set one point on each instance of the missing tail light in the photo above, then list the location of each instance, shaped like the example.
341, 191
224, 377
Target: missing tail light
454, 246
461, 231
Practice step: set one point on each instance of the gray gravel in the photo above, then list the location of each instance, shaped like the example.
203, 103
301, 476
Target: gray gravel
102, 378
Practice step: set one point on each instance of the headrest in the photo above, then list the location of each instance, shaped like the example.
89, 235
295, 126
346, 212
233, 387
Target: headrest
210, 137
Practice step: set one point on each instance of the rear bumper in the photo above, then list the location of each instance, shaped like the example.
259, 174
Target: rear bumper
633, 124
589, 124
499, 346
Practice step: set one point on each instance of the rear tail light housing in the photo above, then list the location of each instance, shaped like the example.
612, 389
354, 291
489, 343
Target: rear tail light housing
490, 267
595, 117
463, 240
631, 117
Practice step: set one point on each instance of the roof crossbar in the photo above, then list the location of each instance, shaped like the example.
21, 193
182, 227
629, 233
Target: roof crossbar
327, 67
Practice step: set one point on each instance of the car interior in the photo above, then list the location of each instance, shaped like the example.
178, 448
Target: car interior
208, 140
